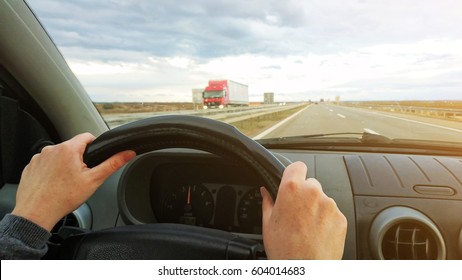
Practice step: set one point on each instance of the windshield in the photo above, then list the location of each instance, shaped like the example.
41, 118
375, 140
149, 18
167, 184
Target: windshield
391, 68
212, 94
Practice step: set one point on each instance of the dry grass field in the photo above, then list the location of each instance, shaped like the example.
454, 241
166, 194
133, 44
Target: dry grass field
145, 107
441, 104
138, 107
441, 109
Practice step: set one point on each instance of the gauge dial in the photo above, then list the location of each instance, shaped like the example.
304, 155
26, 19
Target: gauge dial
188, 204
249, 212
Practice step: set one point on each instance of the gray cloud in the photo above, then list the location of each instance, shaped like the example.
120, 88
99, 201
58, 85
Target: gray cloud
166, 28
130, 31
205, 29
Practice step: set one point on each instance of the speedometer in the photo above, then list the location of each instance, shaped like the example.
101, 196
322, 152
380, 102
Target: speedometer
188, 204
249, 213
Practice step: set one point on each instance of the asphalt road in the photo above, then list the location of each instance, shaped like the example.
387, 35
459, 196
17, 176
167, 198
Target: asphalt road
324, 118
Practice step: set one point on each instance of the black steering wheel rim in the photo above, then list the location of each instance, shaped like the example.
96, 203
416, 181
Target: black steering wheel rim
180, 131
171, 241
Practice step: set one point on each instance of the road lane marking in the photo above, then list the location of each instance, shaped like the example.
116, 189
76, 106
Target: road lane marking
271, 129
368, 130
330, 110
342, 116
413, 121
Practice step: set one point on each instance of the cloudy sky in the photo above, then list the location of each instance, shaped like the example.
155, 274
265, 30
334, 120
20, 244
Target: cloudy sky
141, 50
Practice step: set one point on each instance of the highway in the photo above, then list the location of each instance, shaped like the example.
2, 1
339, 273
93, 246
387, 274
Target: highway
326, 118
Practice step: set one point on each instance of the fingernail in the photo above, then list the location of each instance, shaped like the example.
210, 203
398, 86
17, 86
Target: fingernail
262, 191
129, 155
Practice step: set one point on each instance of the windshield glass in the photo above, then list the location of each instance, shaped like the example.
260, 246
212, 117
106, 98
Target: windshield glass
320, 67
212, 94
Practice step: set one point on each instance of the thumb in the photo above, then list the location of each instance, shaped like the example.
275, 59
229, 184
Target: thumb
267, 206
105, 169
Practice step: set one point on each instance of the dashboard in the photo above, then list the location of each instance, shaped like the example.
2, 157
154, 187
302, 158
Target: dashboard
397, 206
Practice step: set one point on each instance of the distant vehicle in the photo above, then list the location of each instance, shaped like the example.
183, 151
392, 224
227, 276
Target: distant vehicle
268, 98
225, 93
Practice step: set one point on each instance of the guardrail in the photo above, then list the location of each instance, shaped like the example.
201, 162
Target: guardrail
229, 115
216, 111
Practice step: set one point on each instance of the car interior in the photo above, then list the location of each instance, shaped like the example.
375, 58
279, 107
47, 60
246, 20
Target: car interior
400, 202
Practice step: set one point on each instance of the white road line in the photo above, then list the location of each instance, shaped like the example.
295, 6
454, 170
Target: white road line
342, 116
271, 129
368, 130
330, 110
413, 121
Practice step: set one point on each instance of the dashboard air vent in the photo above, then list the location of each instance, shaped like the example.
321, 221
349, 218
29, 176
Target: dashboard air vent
402, 233
80, 218
69, 220
409, 241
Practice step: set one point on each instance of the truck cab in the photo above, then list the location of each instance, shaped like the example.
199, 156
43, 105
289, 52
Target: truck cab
216, 95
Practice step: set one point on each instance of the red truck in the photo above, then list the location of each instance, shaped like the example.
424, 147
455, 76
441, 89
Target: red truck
225, 93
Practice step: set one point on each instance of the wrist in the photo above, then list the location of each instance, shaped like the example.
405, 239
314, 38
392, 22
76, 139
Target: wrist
36, 218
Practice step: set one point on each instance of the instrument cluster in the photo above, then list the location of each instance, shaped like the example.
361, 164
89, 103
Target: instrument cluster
208, 194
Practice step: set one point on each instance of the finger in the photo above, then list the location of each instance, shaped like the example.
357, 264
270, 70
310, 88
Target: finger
80, 142
105, 169
47, 149
85, 138
295, 172
312, 182
293, 177
267, 206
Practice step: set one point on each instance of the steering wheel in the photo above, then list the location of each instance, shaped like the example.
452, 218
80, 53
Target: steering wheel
174, 241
